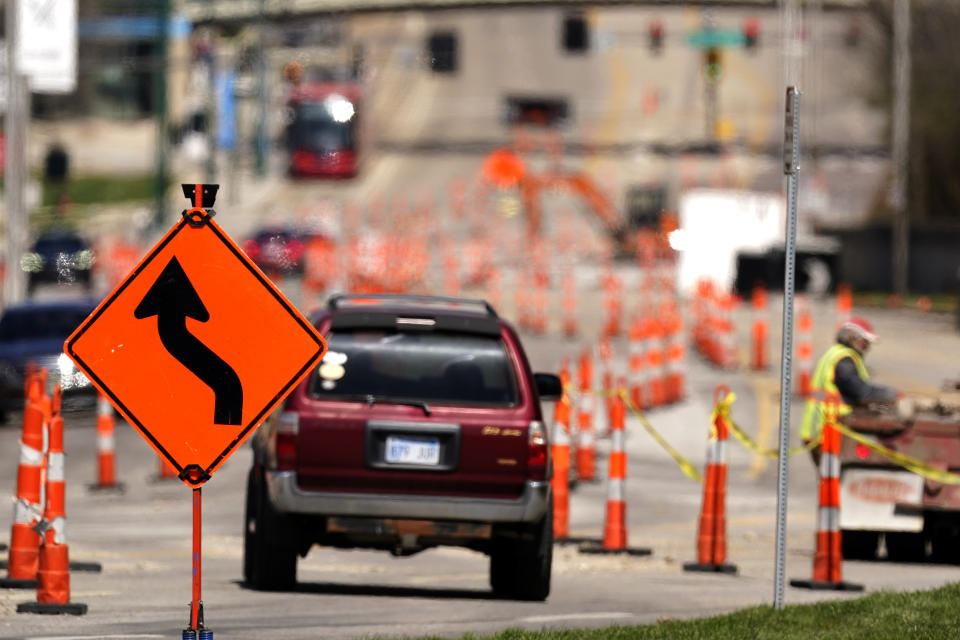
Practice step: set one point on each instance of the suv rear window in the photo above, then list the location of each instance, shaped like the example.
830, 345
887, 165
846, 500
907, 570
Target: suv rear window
434, 367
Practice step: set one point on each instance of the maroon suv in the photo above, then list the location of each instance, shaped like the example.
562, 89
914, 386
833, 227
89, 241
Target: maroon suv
421, 427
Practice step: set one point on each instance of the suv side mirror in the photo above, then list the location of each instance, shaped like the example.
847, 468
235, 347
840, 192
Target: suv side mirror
548, 386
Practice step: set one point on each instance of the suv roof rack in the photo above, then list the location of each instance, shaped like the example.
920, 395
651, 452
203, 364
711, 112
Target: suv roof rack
361, 300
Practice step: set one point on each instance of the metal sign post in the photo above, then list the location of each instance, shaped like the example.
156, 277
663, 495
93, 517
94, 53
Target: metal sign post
791, 167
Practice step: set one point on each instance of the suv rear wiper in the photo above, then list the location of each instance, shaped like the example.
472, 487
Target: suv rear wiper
372, 400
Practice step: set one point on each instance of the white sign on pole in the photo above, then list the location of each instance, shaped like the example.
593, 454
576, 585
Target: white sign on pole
47, 46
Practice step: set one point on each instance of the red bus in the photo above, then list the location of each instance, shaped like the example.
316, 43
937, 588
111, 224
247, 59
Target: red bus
323, 133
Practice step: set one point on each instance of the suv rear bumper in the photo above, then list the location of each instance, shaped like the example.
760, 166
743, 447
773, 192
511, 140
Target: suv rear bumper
287, 497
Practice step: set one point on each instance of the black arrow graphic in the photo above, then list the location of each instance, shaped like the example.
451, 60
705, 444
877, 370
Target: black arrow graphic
173, 299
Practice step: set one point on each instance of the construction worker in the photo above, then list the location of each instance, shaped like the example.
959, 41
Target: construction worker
841, 374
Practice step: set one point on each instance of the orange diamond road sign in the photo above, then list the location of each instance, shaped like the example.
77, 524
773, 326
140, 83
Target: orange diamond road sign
195, 347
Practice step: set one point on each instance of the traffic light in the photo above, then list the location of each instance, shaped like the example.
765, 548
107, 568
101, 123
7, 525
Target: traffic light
751, 32
712, 66
655, 31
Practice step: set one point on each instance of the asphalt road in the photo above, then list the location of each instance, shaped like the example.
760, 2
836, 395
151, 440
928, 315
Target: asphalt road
142, 537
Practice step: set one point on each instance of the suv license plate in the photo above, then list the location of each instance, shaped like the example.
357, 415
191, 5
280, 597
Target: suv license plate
409, 450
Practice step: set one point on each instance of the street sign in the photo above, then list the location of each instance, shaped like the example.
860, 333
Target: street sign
196, 346
47, 44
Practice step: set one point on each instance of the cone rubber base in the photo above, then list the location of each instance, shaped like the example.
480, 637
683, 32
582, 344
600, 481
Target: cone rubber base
819, 585
107, 488
575, 540
598, 549
52, 608
710, 568
16, 583
87, 567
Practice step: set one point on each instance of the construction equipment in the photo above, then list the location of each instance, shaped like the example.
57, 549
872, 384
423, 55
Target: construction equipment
907, 503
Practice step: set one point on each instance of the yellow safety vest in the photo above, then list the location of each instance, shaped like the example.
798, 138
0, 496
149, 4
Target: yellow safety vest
823, 386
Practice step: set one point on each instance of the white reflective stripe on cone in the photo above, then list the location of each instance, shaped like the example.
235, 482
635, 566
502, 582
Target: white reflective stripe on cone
105, 443
616, 490
59, 527
617, 440
717, 452
828, 519
586, 403
586, 438
55, 467
30, 456
560, 435
829, 465
24, 512
104, 408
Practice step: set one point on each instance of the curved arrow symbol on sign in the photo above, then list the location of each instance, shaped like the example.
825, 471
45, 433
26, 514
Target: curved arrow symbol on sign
173, 299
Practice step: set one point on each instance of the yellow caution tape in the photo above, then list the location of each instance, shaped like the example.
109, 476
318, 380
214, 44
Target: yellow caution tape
723, 410
907, 462
688, 469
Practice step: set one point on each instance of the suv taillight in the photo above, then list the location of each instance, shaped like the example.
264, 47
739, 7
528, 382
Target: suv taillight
536, 450
286, 443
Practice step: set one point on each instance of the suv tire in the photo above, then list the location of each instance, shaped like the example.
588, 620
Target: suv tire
520, 563
269, 564
859, 545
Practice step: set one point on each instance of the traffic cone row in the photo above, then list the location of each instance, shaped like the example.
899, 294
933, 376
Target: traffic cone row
828, 557
656, 355
712, 533
713, 327
53, 571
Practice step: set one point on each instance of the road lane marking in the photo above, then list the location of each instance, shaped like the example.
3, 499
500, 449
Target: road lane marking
599, 615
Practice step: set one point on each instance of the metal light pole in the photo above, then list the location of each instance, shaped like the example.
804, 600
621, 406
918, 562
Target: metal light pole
791, 167
15, 126
160, 109
901, 143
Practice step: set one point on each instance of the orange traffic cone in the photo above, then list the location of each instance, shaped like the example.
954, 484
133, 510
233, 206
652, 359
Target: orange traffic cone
560, 453
615, 520
165, 470
586, 442
804, 347
844, 304
53, 584
23, 558
676, 387
569, 305
636, 364
106, 448
654, 361
828, 558
712, 534
758, 361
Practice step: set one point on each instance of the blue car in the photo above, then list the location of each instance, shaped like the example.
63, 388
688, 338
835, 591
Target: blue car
35, 332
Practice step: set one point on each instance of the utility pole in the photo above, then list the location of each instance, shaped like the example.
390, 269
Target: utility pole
261, 134
901, 143
160, 107
15, 125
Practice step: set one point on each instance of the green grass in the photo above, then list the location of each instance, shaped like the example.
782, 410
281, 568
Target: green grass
938, 302
90, 189
917, 615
